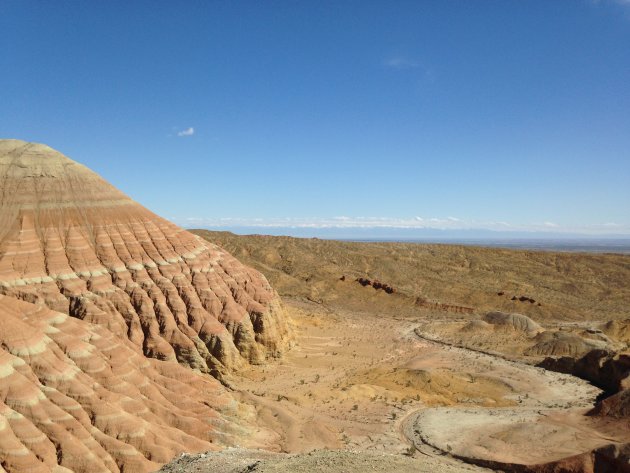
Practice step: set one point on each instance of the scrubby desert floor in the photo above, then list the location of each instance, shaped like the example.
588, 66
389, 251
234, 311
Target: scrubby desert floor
360, 380
380, 379
369, 382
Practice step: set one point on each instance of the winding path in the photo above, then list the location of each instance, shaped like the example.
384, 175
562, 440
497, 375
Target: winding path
545, 418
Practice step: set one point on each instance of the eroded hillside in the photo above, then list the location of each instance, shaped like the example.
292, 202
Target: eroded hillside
112, 320
75, 243
75, 397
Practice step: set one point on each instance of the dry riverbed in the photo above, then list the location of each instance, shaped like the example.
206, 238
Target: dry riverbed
357, 382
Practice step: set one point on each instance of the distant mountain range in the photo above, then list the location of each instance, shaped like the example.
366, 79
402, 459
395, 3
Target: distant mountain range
480, 237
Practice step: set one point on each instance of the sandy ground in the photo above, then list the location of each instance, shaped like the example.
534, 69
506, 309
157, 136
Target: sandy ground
365, 382
318, 395
521, 436
547, 424
324, 461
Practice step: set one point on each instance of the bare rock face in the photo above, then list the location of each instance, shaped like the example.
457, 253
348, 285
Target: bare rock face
618, 329
75, 397
71, 241
617, 406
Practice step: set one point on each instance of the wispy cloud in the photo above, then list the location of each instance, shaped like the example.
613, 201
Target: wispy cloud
187, 132
425, 73
401, 62
416, 222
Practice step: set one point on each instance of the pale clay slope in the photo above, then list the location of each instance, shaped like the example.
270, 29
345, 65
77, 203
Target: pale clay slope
73, 242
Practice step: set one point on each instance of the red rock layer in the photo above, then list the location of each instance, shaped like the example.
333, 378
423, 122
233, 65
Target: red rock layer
74, 395
73, 242
615, 406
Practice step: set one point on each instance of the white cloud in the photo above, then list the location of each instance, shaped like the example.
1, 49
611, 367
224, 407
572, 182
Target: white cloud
401, 62
423, 72
187, 132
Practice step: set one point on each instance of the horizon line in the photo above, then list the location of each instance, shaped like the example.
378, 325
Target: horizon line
406, 225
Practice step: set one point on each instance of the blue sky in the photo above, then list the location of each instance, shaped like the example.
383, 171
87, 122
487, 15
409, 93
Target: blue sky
505, 115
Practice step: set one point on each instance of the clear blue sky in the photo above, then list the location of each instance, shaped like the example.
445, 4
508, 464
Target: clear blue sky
467, 113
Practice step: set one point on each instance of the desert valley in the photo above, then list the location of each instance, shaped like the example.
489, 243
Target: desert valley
315, 237
129, 344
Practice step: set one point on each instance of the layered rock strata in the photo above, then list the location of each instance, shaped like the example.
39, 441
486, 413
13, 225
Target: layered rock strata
73, 242
75, 397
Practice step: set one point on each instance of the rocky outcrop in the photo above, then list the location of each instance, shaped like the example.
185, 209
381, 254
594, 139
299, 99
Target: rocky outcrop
75, 397
611, 372
515, 298
617, 406
553, 343
606, 370
618, 329
516, 321
611, 458
445, 307
376, 284
74, 243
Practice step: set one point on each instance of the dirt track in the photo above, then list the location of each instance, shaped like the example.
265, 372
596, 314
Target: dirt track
546, 425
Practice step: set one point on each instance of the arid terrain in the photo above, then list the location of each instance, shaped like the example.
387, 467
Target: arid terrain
130, 344
542, 285
157, 318
431, 356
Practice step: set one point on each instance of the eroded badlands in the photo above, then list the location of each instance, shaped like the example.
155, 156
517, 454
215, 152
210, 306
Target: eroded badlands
127, 342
